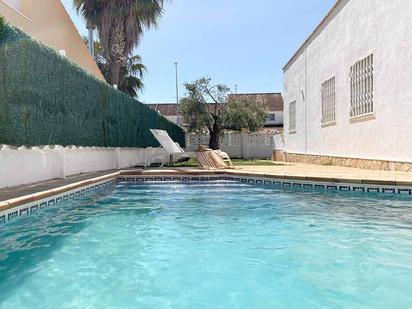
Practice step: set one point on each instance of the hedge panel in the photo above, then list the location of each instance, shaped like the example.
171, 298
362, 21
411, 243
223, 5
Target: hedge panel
46, 99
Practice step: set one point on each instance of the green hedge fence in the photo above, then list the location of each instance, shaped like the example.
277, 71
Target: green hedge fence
45, 99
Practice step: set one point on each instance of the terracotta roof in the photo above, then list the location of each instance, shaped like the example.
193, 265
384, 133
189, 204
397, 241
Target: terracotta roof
166, 109
272, 101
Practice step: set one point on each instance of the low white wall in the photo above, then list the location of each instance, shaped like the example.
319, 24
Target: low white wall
22, 165
278, 142
128, 157
82, 160
27, 165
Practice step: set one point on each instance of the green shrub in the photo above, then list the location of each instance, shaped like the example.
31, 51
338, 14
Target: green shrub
46, 99
2, 22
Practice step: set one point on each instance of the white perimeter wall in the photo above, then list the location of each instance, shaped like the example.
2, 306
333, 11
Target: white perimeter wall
361, 27
237, 145
27, 165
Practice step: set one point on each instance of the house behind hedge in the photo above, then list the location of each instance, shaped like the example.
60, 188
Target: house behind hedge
48, 22
272, 102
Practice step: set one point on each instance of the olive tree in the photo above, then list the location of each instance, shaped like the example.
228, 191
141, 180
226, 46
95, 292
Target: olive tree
206, 107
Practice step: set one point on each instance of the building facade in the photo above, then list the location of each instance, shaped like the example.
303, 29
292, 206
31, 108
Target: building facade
170, 111
348, 89
272, 102
48, 22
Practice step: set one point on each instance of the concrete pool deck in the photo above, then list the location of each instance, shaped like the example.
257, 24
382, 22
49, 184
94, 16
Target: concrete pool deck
16, 196
328, 172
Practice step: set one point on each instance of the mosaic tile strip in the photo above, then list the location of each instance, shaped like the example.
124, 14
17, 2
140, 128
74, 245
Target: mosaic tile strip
33, 207
269, 181
54, 201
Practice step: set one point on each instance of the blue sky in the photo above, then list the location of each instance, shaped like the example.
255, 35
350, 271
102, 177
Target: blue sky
235, 42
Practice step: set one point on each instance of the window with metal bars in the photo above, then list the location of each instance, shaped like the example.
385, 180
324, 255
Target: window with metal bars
361, 91
292, 117
328, 101
271, 117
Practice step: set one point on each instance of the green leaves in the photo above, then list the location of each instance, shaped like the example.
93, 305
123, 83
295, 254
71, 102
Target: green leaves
206, 104
120, 25
46, 99
243, 114
2, 25
131, 73
196, 114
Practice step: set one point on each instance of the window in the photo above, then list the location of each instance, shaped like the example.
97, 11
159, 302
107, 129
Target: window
328, 101
361, 91
270, 118
292, 117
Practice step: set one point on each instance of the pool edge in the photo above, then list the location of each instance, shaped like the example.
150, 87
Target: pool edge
27, 204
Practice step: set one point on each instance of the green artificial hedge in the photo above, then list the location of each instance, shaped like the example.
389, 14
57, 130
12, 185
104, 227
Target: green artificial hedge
45, 99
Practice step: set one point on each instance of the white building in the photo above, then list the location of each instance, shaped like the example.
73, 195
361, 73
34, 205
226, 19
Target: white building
48, 22
272, 102
348, 88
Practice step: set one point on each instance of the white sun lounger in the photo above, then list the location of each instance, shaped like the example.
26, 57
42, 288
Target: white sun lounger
173, 151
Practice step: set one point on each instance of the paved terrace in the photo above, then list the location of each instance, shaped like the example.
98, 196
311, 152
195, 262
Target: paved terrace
285, 171
332, 173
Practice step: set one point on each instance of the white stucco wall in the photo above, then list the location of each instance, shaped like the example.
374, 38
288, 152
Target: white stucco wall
279, 142
359, 28
27, 165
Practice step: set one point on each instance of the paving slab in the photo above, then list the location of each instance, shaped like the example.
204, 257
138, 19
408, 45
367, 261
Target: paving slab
296, 171
334, 172
22, 190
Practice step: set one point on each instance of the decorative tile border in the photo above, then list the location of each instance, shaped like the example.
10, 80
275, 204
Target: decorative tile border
326, 186
181, 178
53, 201
275, 182
30, 204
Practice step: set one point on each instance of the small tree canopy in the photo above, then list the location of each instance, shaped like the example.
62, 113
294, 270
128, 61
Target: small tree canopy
206, 108
243, 114
196, 115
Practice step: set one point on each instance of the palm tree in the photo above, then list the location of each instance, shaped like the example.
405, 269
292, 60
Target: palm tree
131, 74
120, 24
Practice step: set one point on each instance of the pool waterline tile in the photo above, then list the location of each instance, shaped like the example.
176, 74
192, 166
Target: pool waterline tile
55, 196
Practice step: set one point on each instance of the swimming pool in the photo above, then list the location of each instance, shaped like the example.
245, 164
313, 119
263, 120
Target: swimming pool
210, 245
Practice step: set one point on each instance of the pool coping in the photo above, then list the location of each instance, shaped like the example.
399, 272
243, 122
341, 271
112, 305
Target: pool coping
11, 206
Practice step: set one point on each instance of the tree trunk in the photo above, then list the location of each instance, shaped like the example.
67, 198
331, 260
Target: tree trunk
117, 51
115, 73
214, 139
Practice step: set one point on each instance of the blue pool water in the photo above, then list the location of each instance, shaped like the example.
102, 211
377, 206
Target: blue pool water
220, 245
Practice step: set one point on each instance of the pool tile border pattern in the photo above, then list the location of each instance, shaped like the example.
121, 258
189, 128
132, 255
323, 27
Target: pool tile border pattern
29, 204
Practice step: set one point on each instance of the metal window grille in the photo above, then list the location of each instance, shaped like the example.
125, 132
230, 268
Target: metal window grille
361, 77
292, 116
328, 101
271, 117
